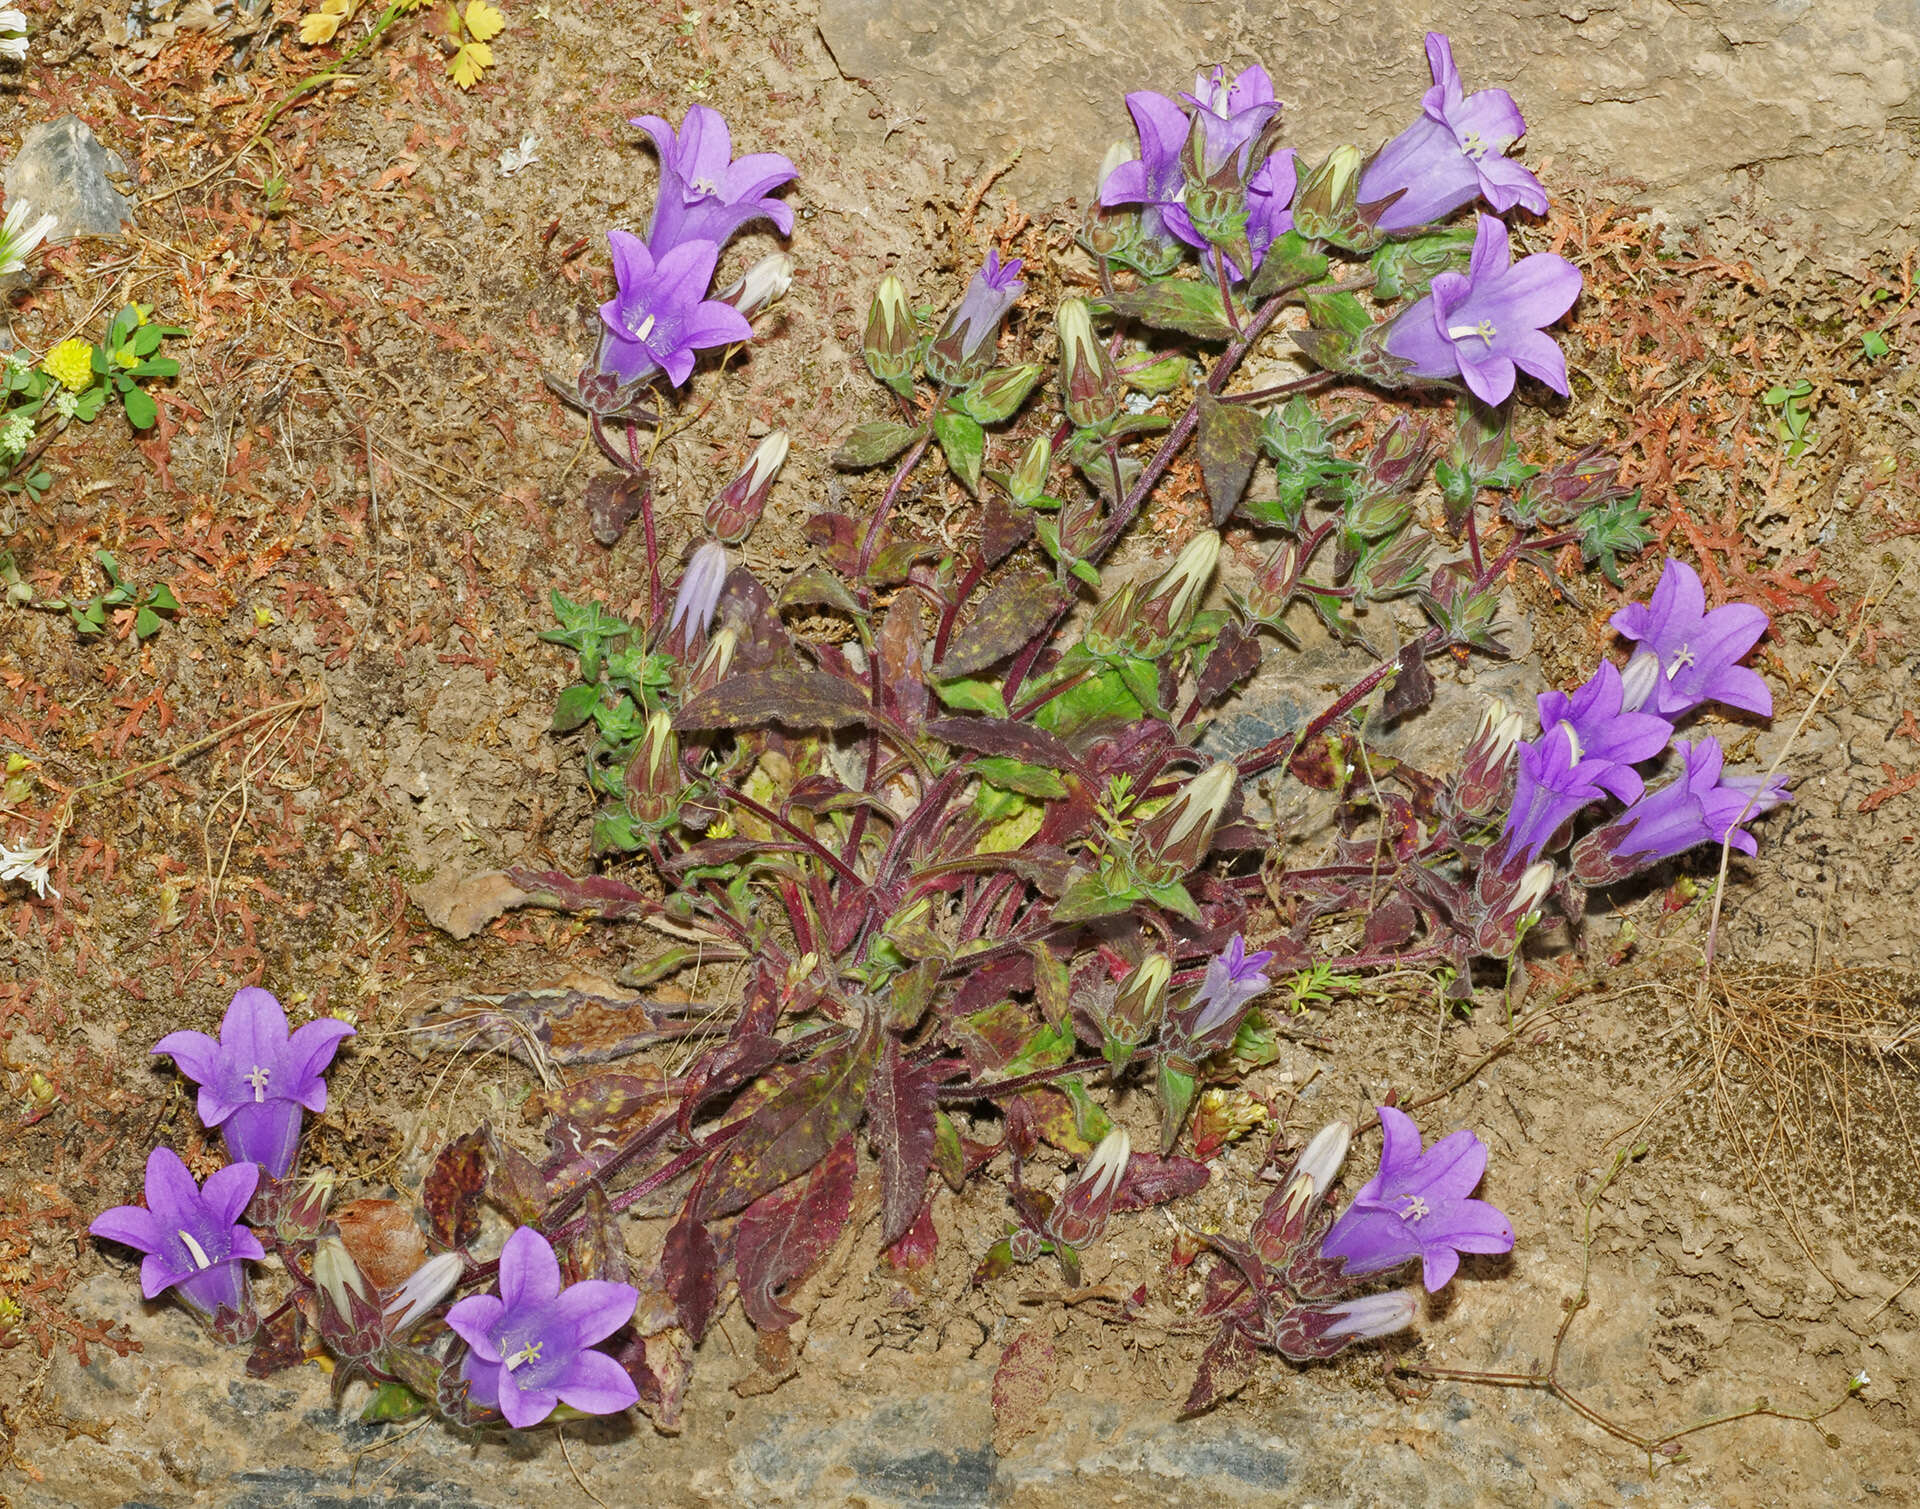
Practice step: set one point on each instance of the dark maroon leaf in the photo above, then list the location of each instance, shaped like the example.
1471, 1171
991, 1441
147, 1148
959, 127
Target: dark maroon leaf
795, 1130
795, 695
453, 1188
1412, 685
900, 1104
593, 895
1006, 739
279, 1343
837, 538
690, 1269
1226, 1367
1154, 1180
903, 651
1003, 529
515, 1185
916, 1249
1234, 657
817, 587
613, 502
1011, 614
1389, 924
783, 1235
1228, 442
726, 1068
569, 1024
1004, 976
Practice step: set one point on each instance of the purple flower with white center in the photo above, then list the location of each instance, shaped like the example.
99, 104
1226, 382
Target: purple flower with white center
189, 1234
1454, 153
1270, 204
700, 588
1154, 180
1699, 806
660, 314
1603, 733
1418, 1206
256, 1080
704, 194
1231, 116
1480, 325
1551, 784
965, 344
531, 1345
1696, 649
1233, 979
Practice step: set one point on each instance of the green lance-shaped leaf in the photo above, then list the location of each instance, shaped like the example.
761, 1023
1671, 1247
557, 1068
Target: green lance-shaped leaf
871, 443
1291, 262
964, 443
797, 1128
1182, 304
798, 696
1007, 618
1229, 444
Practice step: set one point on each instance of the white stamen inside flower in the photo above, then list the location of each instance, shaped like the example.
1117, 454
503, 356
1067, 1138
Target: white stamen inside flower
1682, 658
196, 1252
257, 1077
704, 186
1472, 145
529, 1353
644, 329
1417, 1209
1484, 330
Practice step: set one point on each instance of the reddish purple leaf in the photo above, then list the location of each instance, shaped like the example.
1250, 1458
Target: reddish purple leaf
454, 1187
1234, 657
1003, 529
797, 1128
592, 895
279, 1343
903, 652
726, 1068
1412, 686
1018, 608
1154, 1180
599, 1251
515, 1185
916, 1249
660, 1369
783, 1235
1226, 1367
837, 537
900, 1105
690, 1269
613, 500
1389, 924
1003, 737
1229, 444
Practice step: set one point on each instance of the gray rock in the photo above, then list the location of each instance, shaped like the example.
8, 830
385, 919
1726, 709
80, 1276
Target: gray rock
1770, 111
62, 170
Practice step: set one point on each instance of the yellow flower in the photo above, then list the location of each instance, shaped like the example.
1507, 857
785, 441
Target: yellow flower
484, 23
71, 363
126, 359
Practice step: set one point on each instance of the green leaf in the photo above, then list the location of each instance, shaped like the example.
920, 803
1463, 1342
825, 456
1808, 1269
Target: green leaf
1229, 445
391, 1401
797, 1128
948, 1155
1019, 607
1102, 696
1159, 377
1176, 1097
1291, 262
1017, 775
991, 398
147, 339
159, 366
1338, 311
146, 623
162, 598
1174, 897
875, 441
574, 707
142, 411
614, 832
817, 587
964, 444
1182, 304
1087, 897
972, 696
86, 408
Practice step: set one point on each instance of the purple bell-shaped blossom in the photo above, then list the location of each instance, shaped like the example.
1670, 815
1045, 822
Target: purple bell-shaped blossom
1154, 180
700, 588
660, 314
1231, 116
1480, 325
531, 1345
256, 1081
1699, 806
1551, 784
964, 348
1418, 1206
190, 1235
705, 195
1453, 154
1270, 204
1695, 649
1603, 733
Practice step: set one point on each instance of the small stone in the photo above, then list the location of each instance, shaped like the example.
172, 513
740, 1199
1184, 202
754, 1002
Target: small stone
62, 170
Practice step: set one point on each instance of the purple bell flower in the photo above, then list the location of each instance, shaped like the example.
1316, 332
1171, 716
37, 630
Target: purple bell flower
965, 345
704, 194
1696, 649
1231, 116
1603, 733
189, 1234
256, 1080
1551, 784
1480, 325
660, 314
531, 1345
700, 588
1233, 978
1418, 1206
1453, 154
1699, 806
1155, 180
1270, 204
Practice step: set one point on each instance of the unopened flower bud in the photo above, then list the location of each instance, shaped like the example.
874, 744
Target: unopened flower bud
1487, 766
1393, 568
350, 1319
653, 775
1326, 207
304, 1208
336, 1274
1506, 892
700, 587
1081, 1213
715, 662
1090, 387
763, 284
1172, 843
424, 1288
1137, 1009
1552, 497
1381, 500
994, 396
1169, 602
1024, 1244
738, 506
1373, 1315
1028, 481
891, 335
1106, 632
